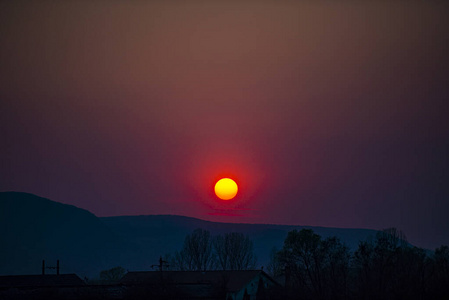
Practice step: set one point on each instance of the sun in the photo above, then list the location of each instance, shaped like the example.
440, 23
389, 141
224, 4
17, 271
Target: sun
226, 189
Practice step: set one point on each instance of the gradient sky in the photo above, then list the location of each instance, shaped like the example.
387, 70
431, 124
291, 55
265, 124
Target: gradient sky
327, 113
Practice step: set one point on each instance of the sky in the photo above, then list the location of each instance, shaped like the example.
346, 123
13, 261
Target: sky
326, 113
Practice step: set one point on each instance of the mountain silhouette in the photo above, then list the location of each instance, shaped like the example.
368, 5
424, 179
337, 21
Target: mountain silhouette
33, 228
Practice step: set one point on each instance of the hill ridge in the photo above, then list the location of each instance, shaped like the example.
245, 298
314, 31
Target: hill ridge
86, 244
239, 223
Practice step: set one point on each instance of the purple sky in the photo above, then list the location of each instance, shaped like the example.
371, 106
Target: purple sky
330, 113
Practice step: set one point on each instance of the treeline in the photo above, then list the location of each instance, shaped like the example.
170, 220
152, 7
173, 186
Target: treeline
385, 268
201, 252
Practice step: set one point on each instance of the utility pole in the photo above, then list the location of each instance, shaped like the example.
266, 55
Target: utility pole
162, 263
53, 268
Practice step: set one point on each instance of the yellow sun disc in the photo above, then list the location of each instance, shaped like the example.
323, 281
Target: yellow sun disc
226, 189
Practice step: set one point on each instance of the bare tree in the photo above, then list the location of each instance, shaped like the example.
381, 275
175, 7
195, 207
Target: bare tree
363, 264
196, 254
181, 261
440, 274
336, 266
275, 267
222, 251
303, 254
234, 251
388, 267
113, 274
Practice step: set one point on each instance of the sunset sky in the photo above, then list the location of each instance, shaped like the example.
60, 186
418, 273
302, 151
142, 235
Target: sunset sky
326, 113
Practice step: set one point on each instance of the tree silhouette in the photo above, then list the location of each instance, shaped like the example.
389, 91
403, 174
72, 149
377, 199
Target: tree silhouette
303, 255
200, 252
336, 267
389, 268
234, 251
274, 267
440, 273
113, 274
196, 254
